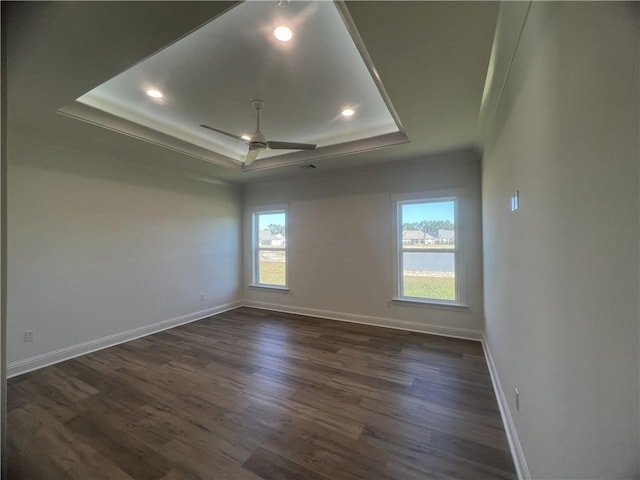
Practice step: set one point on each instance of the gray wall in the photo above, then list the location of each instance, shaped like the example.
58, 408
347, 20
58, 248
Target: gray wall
100, 246
561, 275
340, 239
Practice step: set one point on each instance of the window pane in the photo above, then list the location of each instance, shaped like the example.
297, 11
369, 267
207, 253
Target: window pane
272, 267
428, 225
272, 229
429, 275
271, 245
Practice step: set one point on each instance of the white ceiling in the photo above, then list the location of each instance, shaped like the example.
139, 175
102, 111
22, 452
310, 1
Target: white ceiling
431, 57
211, 75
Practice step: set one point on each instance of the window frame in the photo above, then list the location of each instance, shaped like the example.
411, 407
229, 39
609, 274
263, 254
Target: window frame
458, 250
256, 248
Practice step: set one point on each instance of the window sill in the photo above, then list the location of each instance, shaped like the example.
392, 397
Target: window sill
269, 287
405, 302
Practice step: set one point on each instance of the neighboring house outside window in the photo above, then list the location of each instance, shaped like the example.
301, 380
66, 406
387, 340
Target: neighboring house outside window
415, 237
267, 238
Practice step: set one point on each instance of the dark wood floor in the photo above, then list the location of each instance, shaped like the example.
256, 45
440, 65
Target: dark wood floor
251, 394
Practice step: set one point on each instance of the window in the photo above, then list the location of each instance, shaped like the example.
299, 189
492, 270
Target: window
270, 248
427, 249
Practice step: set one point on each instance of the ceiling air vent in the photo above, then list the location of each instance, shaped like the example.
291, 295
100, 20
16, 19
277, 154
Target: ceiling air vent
307, 167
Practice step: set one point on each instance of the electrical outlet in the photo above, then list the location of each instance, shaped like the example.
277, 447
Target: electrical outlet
517, 400
202, 298
28, 335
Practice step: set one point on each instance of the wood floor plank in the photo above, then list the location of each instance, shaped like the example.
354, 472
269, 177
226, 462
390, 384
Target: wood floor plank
97, 467
29, 463
258, 395
271, 466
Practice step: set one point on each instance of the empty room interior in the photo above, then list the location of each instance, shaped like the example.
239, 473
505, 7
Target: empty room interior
350, 240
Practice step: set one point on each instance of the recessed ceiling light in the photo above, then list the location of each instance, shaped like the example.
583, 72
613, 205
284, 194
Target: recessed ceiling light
282, 33
348, 112
246, 137
153, 93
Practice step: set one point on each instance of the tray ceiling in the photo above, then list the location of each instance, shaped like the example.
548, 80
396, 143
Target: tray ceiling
211, 75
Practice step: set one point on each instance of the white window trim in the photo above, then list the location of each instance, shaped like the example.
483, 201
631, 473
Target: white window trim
264, 286
460, 261
254, 212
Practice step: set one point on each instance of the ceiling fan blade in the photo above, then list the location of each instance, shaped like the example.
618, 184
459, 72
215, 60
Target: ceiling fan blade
251, 157
290, 146
237, 137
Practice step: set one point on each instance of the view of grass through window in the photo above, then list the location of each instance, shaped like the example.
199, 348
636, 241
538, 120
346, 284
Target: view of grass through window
271, 255
428, 250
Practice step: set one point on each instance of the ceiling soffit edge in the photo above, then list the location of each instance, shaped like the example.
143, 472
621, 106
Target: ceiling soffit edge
458, 155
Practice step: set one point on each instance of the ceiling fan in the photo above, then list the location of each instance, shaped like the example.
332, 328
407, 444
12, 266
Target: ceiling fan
257, 141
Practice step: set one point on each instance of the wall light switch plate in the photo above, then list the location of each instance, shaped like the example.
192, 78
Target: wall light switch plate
515, 201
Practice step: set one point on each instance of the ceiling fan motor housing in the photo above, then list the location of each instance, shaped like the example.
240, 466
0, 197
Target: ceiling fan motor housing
258, 137
260, 146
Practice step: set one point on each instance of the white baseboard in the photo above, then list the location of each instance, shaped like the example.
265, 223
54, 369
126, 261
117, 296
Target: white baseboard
519, 461
39, 361
45, 359
464, 333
